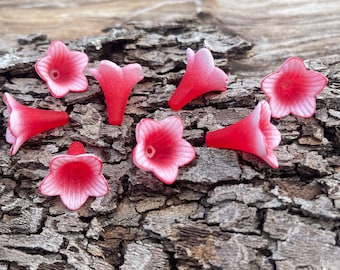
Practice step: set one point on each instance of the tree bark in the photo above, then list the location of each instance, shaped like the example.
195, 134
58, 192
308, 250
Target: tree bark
227, 209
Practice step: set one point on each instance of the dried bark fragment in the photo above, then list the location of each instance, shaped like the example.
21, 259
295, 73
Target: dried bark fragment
205, 247
234, 217
161, 222
293, 234
244, 193
225, 211
145, 256
223, 163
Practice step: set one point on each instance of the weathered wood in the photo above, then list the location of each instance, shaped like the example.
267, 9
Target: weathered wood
227, 210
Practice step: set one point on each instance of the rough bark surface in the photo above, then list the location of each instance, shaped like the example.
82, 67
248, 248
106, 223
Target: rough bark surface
227, 210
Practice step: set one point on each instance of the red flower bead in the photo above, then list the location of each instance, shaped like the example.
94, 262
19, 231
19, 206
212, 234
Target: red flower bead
63, 70
74, 177
161, 149
292, 89
25, 123
117, 84
201, 76
253, 134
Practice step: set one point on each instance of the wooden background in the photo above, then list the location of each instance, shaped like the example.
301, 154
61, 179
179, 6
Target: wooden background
277, 28
227, 210
290, 27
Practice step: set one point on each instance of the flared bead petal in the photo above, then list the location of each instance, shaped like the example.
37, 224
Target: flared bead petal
190, 59
56, 56
293, 64
144, 128
58, 161
217, 81
49, 186
78, 84
184, 153
17, 144
73, 199
206, 75
93, 162
98, 187
9, 136
305, 108
174, 125
132, 75
140, 159
278, 109
316, 83
270, 133
107, 74
167, 174
57, 90
79, 60
268, 84
203, 64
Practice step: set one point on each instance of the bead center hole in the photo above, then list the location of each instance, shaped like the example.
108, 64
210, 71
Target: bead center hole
55, 74
150, 151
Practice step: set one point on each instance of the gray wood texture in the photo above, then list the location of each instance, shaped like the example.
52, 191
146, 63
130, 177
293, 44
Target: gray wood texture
227, 210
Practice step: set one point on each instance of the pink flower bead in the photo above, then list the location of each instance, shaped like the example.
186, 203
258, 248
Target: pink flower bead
293, 89
63, 70
161, 149
201, 76
253, 134
25, 122
75, 177
117, 84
